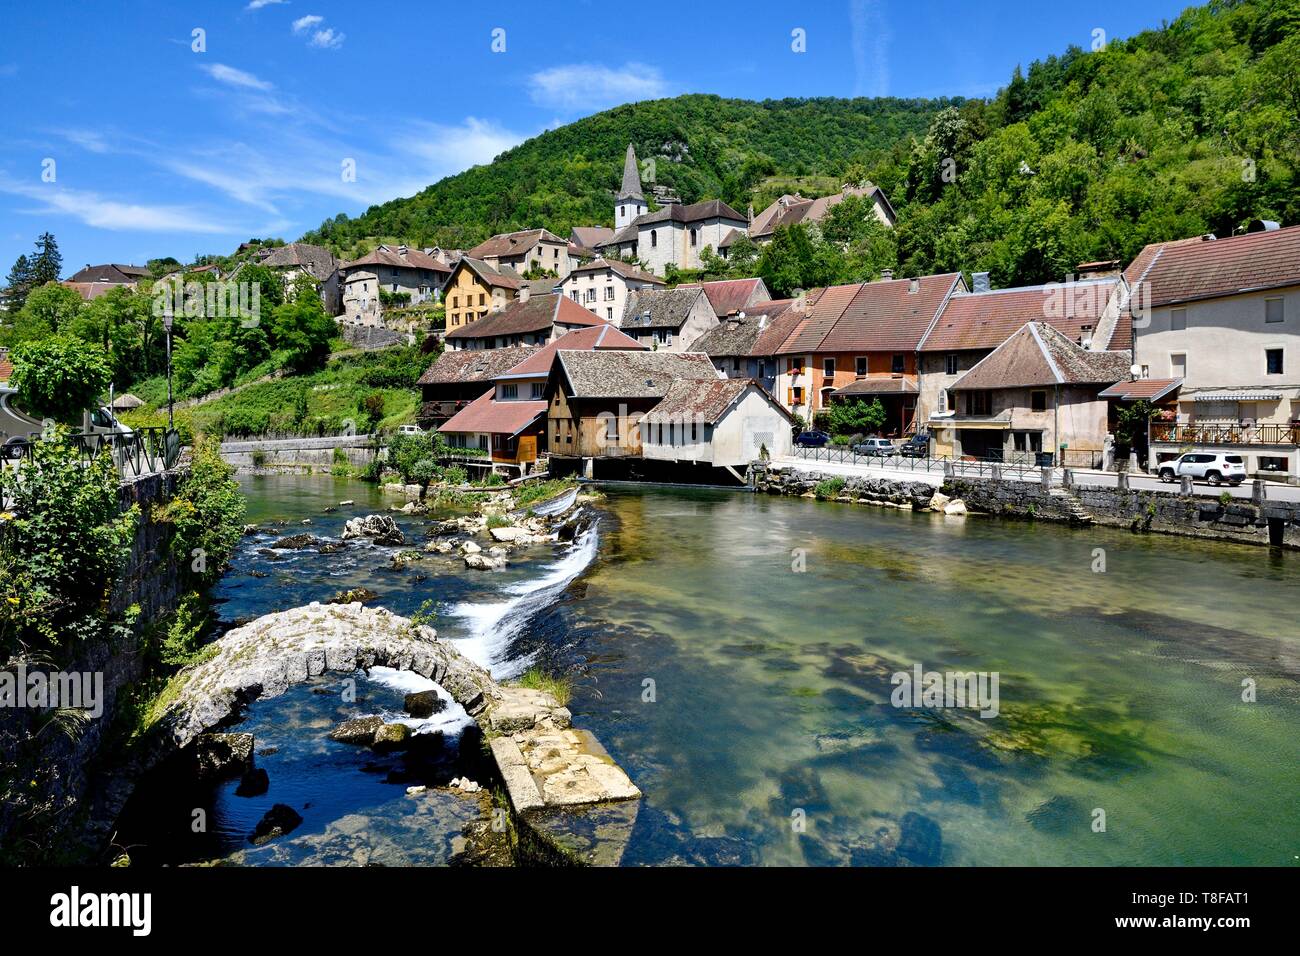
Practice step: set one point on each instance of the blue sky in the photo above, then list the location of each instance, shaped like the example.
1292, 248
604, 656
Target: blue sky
157, 149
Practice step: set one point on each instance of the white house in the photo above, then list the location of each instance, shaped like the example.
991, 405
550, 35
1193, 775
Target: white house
1223, 317
668, 320
722, 422
602, 286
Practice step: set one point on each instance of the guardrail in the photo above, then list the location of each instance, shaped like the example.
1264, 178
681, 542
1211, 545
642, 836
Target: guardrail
957, 467
1240, 433
145, 451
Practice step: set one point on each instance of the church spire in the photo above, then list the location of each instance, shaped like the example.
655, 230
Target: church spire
631, 177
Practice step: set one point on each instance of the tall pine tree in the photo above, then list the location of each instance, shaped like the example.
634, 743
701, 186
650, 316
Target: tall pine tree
47, 264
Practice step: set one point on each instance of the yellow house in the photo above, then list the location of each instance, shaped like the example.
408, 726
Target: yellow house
475, 289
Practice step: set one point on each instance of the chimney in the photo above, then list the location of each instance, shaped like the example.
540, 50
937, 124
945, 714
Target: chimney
524, 293
980, 282
401, 250
886, 275
1208, 237
913, 286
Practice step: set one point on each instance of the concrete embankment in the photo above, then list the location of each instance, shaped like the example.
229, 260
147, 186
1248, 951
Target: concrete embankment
298, 455
1222, 519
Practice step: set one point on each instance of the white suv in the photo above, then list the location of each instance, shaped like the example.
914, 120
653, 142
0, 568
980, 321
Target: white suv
1214, 468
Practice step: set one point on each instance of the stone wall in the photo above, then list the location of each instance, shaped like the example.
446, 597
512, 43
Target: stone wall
297, 455
64, 766
1163, 512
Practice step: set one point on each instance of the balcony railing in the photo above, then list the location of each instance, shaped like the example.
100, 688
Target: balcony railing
1232, 433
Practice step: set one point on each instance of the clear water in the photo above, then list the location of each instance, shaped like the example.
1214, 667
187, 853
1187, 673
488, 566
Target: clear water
770, 738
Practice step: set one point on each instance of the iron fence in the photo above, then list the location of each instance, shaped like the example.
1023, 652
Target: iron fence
145, 451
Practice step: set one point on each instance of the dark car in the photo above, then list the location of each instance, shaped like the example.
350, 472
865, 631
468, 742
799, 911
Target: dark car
918, 446
812, 439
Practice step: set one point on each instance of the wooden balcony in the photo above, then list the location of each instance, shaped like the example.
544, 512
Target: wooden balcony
1230, 433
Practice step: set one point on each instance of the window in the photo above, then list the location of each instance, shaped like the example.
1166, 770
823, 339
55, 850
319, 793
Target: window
1178, 365
735, 365
828, 367
482, 298
979, 403
1027, 441
1272, 310
860, 366
609, 293
950, 364
575, 295
609, 314
694, 237
654, 238
591, 295
622, 210
1037, 401
538, 389
899, 364
510, 391
943, 400
795, 365
1271, 463
796, 395
1177, 319
1273, 361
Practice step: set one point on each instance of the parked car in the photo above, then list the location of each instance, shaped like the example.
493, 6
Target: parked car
410, 430
918, 446
1216, 468
812, 438
876, 447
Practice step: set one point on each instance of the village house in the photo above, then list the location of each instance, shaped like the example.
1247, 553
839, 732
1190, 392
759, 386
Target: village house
93, 281
859, 341
668, 320
602, 286
508, 420
725, 423
317, 263
790, 210
1035, 399
583, 242
742, 345
476, 289
1221, 316
671, 235
596, 399
529, 320
972, 324
390, 277
527, 251
457, 378
732, 296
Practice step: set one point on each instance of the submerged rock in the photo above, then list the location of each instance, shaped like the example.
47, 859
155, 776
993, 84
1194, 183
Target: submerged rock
392, 737
254, 783
279, 820
957, 508
353, 595
297, 542
423, 703
483, 562
921, 842
358, 730
1058, 815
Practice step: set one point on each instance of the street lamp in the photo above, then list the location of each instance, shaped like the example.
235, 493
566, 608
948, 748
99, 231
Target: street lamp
167, 325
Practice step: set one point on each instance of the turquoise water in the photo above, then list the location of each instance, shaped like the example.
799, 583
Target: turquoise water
746, 687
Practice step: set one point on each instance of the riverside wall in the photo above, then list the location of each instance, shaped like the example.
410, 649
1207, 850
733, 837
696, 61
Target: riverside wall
1161, 512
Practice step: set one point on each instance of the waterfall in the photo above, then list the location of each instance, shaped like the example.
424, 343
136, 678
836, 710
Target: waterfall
493, 626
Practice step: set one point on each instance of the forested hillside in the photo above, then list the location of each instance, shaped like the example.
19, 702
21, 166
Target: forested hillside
1190, 128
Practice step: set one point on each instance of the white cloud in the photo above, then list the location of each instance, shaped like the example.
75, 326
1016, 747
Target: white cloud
869, 36
328, 39
96, 210
307, 22
259, 4
233, 77
585, 86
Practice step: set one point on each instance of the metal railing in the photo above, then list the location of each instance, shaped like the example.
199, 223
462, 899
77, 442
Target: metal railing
145, 451
1231, 433
1020, 470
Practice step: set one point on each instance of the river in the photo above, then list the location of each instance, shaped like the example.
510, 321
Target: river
734, 653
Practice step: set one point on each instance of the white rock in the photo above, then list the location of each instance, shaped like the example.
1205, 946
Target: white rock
939, 501
418, 789
957, 507
469, 547
509, 534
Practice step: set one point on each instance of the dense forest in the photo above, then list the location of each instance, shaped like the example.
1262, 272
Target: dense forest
1190, 128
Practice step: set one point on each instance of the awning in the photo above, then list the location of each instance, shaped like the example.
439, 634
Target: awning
878, 386
1237, 397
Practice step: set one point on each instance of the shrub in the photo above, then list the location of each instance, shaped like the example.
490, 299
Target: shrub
561, 688
830, 488
206, 513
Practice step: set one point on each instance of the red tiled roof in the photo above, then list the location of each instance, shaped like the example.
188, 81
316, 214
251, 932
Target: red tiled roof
1037, 354
513, 243
484, 414
592, 338
782, 321
619, 266
984, 320
1152, 389
1191, 269
879, 386
869, 316
538, 313
728, 296
385, 256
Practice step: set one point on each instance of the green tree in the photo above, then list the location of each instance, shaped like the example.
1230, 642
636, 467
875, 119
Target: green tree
47, 264
60, 377
206, 514
855, 416
48, 310
19, 282
301, 332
